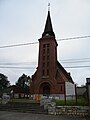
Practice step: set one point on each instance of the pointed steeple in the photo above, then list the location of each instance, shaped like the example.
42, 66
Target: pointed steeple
48, 26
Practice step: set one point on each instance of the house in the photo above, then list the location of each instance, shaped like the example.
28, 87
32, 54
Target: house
16, 92
81, 91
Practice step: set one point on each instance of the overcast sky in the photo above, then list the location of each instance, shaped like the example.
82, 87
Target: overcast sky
23, 21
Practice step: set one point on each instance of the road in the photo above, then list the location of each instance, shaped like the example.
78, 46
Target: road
5, 115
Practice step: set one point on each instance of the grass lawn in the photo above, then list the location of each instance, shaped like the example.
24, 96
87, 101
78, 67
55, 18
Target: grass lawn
80, 102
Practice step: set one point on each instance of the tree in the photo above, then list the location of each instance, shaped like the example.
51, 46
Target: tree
4, 83
23, 81
23, 84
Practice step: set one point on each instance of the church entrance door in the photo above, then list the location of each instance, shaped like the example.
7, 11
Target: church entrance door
46, 90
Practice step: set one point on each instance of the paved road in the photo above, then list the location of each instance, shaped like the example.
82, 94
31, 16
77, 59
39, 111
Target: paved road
4, 115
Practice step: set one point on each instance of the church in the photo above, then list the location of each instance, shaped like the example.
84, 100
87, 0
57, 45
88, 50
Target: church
50, 77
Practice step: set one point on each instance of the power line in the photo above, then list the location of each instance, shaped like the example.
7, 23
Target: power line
73, 38
18, 63
17, 67
18, 45
30, 63
76, 59
33, 62
24, 44
13, 67
78, 67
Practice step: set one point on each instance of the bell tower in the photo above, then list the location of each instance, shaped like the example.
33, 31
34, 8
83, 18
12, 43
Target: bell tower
47, 52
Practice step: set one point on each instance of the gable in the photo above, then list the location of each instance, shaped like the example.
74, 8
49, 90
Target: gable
63, 74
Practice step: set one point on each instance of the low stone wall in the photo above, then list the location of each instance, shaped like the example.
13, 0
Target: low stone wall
69, 110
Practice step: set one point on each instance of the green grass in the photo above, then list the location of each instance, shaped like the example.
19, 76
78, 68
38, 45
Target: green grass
80, 102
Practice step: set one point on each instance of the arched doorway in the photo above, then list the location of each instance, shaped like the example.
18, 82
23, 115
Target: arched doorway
46, 90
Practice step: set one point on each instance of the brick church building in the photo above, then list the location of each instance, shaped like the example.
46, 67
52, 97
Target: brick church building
50, 77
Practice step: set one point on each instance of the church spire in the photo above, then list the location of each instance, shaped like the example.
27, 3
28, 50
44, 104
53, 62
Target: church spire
48, 26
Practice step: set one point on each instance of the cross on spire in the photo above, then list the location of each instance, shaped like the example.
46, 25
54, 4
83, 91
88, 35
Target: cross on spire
48, 6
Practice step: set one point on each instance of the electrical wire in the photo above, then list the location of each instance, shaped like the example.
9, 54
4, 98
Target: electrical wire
63, 61
14, 67
73, 38
17, 67
80, 60
18, 45
24, 44
78, 67
76, 59
17, 63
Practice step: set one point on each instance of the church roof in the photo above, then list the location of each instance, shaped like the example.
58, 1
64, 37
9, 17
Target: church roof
48, 27
67, 75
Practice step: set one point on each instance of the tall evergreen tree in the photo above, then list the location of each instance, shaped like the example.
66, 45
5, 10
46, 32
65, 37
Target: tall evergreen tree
4, 83
23, 83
